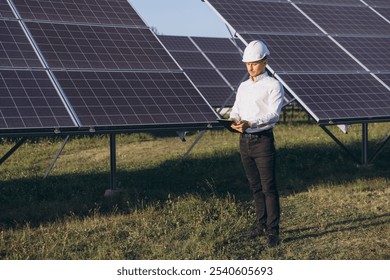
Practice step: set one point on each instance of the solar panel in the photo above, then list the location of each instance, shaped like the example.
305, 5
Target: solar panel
247, 16
385, 12
133, 98
373, 52
226, 61
355, 3
117, 12
15, 49
342, 20
225, 56
5, 10
217, 45
110, 69
203, 74
99, 47
378, 3
218, 95
28, 99
385, 78
191, 59
205, 77
337, 98
321, 73
235, 76
297, 53
178, 43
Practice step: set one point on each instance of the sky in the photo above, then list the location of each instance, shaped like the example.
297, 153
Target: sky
181, 17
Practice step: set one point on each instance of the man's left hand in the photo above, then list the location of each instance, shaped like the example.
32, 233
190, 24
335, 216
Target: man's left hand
241, 126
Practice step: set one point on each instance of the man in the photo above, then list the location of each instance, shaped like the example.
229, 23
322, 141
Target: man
256, 110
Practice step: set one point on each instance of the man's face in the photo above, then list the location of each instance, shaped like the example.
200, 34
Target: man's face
256, 68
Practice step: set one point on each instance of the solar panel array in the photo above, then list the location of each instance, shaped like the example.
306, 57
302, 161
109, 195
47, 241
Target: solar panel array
78, 64
213, 64
331, 55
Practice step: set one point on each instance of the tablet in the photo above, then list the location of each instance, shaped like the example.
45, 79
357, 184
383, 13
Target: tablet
227, 124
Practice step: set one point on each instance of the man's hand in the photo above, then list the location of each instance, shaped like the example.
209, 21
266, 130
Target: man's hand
240, 126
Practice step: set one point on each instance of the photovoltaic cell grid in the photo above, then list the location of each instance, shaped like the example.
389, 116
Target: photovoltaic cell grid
178, 43
72, 46
225, 56
193, 59
342, 20
82, 42
340, 97
264, 17
107, 12
203, 74
355, 3
215, 45
373, 52
28, 99
5, 10
378, 3
15, 49
328, 83
301, 53
385, 12
129, 98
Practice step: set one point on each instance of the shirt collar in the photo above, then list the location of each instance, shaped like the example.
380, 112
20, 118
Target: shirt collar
260, 77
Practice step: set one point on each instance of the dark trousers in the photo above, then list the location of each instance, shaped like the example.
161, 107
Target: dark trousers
258, 158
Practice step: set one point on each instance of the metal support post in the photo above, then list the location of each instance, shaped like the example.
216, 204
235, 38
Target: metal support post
364, 143
56, 157
380, 148
193, 144
340, 144
12, 150
113, 182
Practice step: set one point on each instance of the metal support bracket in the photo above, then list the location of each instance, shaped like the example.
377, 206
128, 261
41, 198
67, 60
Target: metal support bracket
365, 160
113, 179
13, 149
56, 157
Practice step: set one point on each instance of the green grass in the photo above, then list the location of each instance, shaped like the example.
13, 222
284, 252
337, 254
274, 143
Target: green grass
196, 208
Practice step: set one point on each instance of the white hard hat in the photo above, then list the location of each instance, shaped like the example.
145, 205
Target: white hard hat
255, 51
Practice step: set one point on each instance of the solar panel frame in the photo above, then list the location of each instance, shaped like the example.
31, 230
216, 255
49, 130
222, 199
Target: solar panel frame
29, 100
16, 50
71, 46
105, 12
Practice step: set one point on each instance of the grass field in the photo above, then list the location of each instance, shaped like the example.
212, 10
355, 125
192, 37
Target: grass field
196, 208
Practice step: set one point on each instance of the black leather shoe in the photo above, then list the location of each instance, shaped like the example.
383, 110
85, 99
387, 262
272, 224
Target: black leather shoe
258, 231
273, 240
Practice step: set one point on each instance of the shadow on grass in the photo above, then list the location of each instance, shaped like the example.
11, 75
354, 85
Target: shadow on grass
35, 201
341, 226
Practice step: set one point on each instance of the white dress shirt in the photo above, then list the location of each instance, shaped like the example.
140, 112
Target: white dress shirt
259, 101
